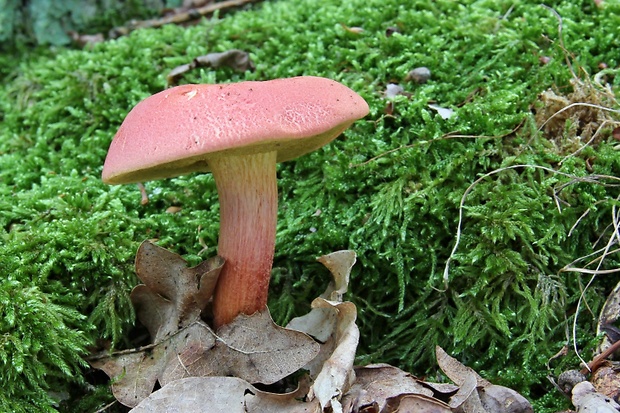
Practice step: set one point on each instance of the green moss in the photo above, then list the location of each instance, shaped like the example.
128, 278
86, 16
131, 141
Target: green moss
390, 188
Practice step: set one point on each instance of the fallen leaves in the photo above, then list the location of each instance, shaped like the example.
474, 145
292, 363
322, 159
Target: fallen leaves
172, 296
221, 395
170, 305
197, 367
378, 384
482, 396
386, 389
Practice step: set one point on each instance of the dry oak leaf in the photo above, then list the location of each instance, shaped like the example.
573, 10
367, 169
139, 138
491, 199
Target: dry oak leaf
415, 403
236, 59
585, 398
376, 383
170, 304
173, 296
332, 323
476, 394
221, 395
250, 347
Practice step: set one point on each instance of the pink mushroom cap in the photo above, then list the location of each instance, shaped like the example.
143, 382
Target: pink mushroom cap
237, 131
176, 131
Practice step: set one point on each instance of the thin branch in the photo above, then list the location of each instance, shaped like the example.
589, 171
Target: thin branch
177, 18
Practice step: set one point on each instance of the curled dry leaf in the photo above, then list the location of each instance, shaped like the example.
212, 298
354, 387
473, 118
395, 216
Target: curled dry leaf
376, 383
236, 59
170, 304
332, 323
336, 374
416, 403
587, 399
339, 263
173, 296
466, 395
477, 394
457, 371
221, 395
252, 348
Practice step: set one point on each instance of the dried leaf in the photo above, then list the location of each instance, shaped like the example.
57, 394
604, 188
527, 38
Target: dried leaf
392, 90
416, 403
465, 391
473, 404
236, 59
320, 322
252, 348
606, 380
220, 395
501, 399
170, 304
587, 399
172, 296
336, 372
455, 370
339, 263
488, 398
333, 324
445, 113
376, 383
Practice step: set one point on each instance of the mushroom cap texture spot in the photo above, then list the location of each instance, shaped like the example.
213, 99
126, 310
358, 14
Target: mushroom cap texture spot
178, 130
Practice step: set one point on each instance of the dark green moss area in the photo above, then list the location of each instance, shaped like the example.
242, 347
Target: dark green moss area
389, 188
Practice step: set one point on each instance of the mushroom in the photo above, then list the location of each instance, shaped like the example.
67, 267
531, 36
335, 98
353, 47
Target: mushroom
237, 131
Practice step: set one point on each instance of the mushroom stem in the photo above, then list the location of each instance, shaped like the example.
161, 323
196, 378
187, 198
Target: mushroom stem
248, 194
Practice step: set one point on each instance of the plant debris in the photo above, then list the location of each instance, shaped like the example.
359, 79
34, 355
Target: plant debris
587, 399
445, 113
222, 395
195, 375
236, 59
483, 396
581, 115
170, 305
178, 16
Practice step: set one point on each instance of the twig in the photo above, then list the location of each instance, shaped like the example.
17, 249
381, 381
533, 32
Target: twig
561, 38
598, 360
192, 14
106, 407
